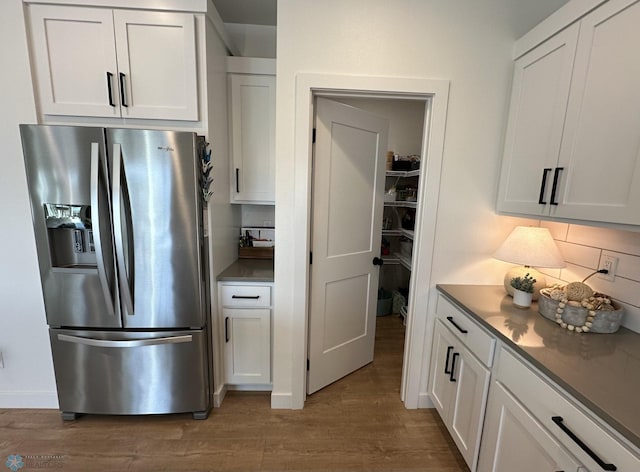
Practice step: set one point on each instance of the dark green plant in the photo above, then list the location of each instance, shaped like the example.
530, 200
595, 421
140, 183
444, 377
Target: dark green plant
523, 283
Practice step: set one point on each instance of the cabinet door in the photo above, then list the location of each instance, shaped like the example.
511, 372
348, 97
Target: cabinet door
247, 345
74, 53
467, 409
514, 440
440, 386
534, 130
253, 138
157, 64
601, 145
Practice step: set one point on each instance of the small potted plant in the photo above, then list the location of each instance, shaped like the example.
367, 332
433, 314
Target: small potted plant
523, 290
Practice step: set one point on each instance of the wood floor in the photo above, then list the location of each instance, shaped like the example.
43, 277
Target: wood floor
356, 424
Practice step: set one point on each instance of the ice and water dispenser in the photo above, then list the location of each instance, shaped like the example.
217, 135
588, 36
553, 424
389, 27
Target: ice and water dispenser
70, 236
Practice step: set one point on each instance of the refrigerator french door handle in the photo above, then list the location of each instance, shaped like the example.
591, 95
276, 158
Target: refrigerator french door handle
97, 239
187, 338
116, 203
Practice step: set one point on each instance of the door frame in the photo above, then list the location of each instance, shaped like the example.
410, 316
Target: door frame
417, 349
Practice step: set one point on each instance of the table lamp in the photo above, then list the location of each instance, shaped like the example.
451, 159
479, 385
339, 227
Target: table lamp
529, 246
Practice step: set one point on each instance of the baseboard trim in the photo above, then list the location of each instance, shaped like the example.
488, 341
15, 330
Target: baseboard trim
218, 396
34, 400
282, 401
424, 401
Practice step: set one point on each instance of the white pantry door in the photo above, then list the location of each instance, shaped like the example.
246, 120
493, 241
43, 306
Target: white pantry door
348, 187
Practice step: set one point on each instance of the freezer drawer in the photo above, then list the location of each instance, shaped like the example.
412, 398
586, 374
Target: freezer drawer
131, 373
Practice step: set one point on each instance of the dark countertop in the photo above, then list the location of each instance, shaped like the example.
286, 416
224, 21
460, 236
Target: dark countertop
248, 270
600, 370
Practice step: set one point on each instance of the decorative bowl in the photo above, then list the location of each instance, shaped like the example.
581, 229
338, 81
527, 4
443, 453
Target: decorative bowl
604, 321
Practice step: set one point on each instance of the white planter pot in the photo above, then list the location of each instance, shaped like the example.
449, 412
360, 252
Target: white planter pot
522, 299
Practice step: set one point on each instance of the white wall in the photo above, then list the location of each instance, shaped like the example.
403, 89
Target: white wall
253, 40
224, 219
258, 215
27, 379
469, 43
406, 121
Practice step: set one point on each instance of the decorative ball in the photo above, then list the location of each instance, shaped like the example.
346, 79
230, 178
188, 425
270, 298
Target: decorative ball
577, 291
557, 294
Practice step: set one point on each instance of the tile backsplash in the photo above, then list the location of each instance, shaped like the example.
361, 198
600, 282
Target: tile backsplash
584, 247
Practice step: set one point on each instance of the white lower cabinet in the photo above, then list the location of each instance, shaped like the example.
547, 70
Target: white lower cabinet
459, 380
504, 414
245, 334
531, 425
514, 440
247, 347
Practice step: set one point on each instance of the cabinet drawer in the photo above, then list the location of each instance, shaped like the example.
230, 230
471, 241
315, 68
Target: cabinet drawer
478, 341
246, 295
555, 412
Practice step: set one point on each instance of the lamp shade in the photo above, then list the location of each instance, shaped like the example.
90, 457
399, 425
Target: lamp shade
530, 246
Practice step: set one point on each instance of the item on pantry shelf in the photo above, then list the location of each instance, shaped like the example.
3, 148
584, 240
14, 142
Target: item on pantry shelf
408, 221
390, 195
385, 247
385, 302
390, 157
406, 247
406, 163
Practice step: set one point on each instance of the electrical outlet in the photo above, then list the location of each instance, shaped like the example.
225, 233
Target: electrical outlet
611, 264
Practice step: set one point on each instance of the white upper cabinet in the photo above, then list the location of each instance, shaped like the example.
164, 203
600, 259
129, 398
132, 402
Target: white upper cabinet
75, 60
572, 149
157, 64
536, 118
600, 151
252, 118
114, 63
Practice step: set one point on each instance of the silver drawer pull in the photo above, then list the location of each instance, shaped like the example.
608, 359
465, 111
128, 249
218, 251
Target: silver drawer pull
125, 342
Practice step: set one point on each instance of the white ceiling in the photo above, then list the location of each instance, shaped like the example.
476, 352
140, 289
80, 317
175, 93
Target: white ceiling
525, 14
528, 13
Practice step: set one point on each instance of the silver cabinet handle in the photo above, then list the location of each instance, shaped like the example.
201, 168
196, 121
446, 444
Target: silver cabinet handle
97, 239
187, 338
116, 203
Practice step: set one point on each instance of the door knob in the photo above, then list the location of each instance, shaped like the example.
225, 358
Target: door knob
377, 261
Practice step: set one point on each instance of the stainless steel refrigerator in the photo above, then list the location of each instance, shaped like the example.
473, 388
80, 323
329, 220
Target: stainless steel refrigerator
117, 216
